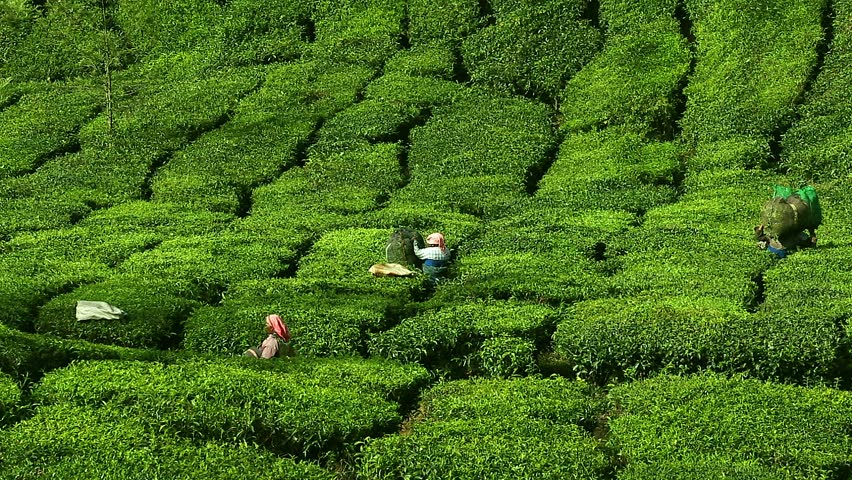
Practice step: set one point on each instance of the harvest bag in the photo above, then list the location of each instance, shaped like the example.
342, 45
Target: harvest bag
400, 248
87, 310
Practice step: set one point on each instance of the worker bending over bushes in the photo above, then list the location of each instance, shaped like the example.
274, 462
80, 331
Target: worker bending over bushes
784, 219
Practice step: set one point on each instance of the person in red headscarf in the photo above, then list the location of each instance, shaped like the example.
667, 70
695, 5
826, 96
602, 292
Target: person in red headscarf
436, 257
277, 334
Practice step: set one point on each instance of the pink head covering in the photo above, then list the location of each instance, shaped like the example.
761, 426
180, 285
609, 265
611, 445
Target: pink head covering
436, 239
278, 326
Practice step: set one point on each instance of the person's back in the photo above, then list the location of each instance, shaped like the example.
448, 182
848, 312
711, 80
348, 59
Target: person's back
435, 256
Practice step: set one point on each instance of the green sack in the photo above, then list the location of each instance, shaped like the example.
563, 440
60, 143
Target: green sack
790, 212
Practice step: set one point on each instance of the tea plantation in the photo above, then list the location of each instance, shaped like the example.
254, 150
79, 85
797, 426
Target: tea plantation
598, 166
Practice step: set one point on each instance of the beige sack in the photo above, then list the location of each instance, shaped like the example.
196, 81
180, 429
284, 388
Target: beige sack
390, 270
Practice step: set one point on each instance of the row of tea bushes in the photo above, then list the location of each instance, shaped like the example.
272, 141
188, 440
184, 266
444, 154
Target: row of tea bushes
817, 146
325, 317
641, 37
449, 21
358, 33
276, 31
711, 427
436, 60
531, 48
541, 252
38, 265
72, 38
522, 428
71, 442
703, 243
613, 169
475, 155
45, 123
158, 288
614, 339
27, 357
263, 138
747, 84
114, 165
492, 338
214, 401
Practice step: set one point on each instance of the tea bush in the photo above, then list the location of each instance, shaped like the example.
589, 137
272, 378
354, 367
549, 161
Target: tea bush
10, 396
716, 201
272, 32
428, 60
608, 91
264, 137
26, 281
325, 318
542, 252
365, 35
619, 338
450, 338
815, 279
733, 153
68, 442
671, 424
417, 91
206, 401
27, 356
621, 16
16, 19
458, 226
32, 214
817, 145
443, 20
508, 357
155, 27
477, 429
614, 169
531, 50
346, 255
747, 84
154, 312
44, 124
68, 41
114, 166
474, 156
394, 381
614, 339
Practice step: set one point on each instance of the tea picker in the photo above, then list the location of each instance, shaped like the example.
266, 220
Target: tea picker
435, 256
784, 219
277, 341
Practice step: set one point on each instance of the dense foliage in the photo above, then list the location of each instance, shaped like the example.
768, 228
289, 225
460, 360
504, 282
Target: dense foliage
596, 167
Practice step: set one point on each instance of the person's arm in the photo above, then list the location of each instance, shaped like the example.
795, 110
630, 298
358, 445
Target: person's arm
419, 252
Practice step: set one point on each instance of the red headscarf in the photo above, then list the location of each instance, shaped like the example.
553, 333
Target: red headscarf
278, 326
436, 239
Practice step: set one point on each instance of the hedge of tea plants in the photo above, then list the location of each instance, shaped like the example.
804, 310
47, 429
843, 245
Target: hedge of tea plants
464, 339
817, 146
68, 441
211, 401
751, 66
485, 428
531, 48
641, 36
707, 426
597, 168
